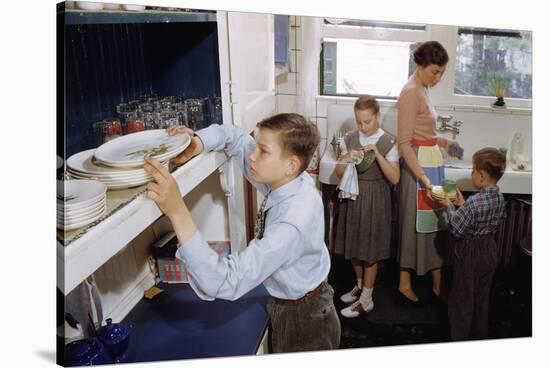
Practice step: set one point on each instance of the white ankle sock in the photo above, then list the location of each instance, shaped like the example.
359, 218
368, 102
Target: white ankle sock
359, 284
366, 297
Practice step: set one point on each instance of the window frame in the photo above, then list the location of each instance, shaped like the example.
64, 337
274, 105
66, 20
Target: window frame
335, 31
443, 93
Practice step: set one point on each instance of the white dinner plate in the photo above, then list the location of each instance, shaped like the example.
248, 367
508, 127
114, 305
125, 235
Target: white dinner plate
133, 7
81, 211
89, 5
80, 224
129, 150
83, 163
104, 179
77, 194
124, 183
61, 209
132, 165
70, 220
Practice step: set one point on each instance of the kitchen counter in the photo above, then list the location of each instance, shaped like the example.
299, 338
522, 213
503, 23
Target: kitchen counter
176, 324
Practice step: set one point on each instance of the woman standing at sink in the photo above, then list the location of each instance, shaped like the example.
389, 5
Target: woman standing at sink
421, 220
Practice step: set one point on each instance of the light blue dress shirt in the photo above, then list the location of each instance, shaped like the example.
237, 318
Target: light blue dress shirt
290, 260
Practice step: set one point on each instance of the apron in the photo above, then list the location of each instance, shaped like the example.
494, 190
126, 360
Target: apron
430, 214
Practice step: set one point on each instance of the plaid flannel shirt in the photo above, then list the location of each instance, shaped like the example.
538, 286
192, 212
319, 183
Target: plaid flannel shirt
481, 214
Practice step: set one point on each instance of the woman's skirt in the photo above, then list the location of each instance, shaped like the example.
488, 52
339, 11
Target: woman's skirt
422, 239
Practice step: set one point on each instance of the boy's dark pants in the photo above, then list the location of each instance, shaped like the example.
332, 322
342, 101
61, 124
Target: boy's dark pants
312, 325
475, 262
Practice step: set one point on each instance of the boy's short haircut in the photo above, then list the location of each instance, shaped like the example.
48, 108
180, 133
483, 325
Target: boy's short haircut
297, 135
367, 102
491, 160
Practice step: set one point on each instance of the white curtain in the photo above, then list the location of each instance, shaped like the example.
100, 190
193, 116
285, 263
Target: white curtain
309, 65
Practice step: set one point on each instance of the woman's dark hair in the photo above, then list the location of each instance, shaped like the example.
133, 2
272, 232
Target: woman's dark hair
430, 52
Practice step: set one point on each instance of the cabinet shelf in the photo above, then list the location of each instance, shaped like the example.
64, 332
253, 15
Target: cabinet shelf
82, 255
74, 17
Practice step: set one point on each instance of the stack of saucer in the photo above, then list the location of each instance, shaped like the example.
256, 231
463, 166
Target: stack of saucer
438, 193
79, 203
447, 190
82, 165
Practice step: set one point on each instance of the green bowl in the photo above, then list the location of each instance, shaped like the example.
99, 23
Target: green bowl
364, 165
449, 185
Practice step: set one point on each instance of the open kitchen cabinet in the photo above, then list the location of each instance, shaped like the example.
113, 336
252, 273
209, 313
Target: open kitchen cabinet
109, 57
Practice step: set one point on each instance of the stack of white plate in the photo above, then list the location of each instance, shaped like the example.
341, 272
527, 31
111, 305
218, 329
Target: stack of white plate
82, 165
79, 203
129, 150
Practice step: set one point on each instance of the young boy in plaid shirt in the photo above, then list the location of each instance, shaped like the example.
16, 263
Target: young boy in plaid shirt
472, 225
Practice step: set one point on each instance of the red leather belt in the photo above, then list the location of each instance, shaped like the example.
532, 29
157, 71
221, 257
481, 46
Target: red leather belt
305, 298
424, 142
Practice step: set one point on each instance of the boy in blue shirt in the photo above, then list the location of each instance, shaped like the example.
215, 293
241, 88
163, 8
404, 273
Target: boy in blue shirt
473, 226
288, 254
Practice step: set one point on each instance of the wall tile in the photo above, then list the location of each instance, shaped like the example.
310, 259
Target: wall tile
292, 20
292, 61
322, 125
286, 103
322, 104
298, 84
299, 43
286, 84
298, 55
522, 112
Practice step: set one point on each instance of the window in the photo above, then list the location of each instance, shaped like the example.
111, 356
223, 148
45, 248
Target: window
364, 57
487, 58
369, 57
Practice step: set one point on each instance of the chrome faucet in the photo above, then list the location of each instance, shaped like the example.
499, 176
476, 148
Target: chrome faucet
335, 143
446, 127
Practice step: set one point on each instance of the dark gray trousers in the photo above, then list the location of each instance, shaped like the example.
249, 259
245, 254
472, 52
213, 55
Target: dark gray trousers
313, 325
475, 262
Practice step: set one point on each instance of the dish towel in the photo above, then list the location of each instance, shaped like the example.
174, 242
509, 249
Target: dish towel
349, 184
281, 44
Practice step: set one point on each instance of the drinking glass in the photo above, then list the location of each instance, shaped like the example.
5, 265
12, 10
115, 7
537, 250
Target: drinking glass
195, 115
106, 130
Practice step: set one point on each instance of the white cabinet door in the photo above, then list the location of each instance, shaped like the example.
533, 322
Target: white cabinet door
247, 69
250, 50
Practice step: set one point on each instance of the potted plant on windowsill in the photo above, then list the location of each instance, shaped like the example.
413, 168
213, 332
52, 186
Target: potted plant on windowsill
499, 87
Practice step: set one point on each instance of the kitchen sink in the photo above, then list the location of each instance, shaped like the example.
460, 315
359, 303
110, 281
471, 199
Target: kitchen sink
517, 182
458, 164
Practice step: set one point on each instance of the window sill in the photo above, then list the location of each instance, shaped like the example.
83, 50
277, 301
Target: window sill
489, 109
388, 103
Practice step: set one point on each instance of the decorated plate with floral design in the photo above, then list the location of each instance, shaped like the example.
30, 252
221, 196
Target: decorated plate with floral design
129, 150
